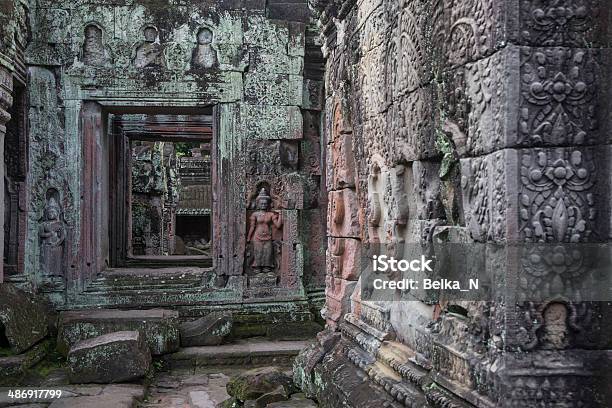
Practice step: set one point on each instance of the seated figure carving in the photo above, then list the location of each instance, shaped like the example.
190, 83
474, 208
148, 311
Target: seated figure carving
204, 56
150, 53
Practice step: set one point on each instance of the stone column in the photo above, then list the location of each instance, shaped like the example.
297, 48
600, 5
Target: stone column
6, 101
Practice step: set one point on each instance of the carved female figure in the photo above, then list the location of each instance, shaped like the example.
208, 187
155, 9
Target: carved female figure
260, 233
52, 235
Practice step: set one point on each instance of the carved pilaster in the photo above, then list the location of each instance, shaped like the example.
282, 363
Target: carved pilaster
6, 101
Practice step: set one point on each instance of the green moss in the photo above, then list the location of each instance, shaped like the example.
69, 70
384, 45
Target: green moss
53, 361
6, 352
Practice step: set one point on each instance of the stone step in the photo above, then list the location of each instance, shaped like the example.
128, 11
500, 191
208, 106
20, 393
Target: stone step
250, 352
160, 327
146, 279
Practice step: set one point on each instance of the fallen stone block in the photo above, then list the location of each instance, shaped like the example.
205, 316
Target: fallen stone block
159, 327
277, 395
13, 368
252, 384
206, 331
23, 319
111, 358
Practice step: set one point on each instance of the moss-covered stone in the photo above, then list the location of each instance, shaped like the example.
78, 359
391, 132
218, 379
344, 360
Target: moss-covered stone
22, 317
159, 327
252, 384
110, 358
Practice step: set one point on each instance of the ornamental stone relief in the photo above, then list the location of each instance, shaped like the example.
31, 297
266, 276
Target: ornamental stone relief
558, 202
558, 104
571, 23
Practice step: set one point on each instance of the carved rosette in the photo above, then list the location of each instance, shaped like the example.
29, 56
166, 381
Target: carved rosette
571, 23
557, 199
558, 90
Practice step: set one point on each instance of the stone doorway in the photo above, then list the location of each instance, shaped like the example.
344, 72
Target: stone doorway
161, 189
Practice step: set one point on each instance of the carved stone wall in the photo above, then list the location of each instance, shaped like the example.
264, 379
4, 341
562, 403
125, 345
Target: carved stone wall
13, 36
255, 65
467, 122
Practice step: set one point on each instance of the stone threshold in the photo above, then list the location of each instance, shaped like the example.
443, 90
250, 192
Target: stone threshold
254, 352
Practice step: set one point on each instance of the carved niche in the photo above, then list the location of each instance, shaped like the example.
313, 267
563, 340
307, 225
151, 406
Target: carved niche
264, 241
204, 56
52, 236
94, 52
150, 52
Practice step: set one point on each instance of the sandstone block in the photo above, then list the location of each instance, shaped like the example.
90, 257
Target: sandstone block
344, 258
277, 395
206, 331
343, 215
252, 384
159, 327
110, 358
24, 319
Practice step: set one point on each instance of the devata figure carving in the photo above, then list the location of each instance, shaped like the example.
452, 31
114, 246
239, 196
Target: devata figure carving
260, 234
204, 55
94, 52
150, 53
52, 235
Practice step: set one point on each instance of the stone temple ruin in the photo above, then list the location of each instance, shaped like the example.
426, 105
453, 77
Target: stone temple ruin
194, 184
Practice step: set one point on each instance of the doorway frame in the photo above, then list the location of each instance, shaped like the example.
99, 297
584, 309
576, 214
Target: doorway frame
120, 199
93, 254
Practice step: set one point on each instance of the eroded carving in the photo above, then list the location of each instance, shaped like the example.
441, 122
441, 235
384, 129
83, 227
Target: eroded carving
94, 51
150, 52
204, 56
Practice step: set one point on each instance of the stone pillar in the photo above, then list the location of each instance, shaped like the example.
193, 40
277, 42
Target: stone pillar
6, 101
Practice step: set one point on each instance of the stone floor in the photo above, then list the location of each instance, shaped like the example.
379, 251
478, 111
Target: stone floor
183, 388
188, 388
192, 380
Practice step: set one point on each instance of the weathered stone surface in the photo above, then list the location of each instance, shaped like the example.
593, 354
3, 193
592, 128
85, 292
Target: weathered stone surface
276, 395
159, 327
343, 214
22, 318
253, 352
296, 401
11, 368
200, 399
110, 358
112, 396
254, 383
206, 331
